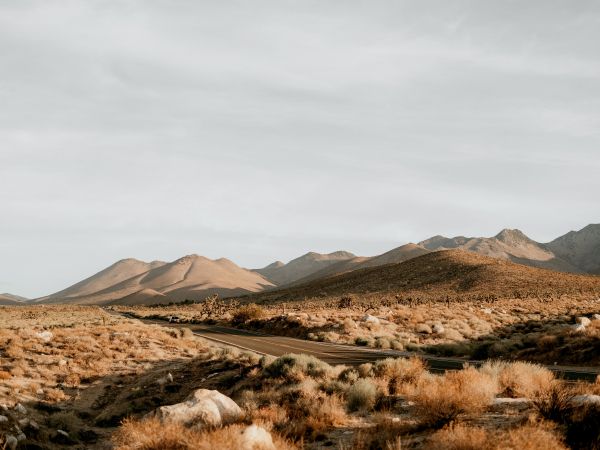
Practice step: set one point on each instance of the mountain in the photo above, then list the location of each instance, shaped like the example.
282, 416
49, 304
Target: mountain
435, 275
580, 248
511, 245
119, 271
191, 277
7, 299
281, 274
397, 255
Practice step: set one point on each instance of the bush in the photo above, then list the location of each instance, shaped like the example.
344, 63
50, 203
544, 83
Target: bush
362, 395
441, 399
464, 437
247, 312
294, 366
519, 379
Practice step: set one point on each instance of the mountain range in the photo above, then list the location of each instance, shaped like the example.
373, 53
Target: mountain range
131, 281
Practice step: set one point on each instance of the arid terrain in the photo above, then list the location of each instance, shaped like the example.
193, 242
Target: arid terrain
416, 348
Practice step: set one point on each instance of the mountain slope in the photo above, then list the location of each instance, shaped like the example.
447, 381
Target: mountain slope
397, 255
580, 248
191, 277
510, 245
303, 266
454, 273
7, 299
117, 272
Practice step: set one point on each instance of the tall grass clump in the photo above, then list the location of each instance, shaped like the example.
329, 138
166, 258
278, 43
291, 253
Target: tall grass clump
295, 366
362, 395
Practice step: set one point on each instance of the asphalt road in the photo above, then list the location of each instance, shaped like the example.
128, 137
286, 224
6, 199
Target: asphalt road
266, 344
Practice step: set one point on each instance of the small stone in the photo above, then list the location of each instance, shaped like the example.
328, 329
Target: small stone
583, 321
45, 336
20, 409
3, 419
254, 436
24, 422
371, 319
438, 328
578, 328
21, 437
596, 317
10, 442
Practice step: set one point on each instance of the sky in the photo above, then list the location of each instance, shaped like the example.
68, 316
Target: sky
261, 130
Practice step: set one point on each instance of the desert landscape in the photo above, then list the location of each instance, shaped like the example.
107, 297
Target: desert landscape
448, 349
299, 225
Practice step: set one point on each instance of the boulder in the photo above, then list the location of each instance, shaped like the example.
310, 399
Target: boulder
45, 336
424, 328
371, 319
583, 321
253, 437
202, 408
585, 399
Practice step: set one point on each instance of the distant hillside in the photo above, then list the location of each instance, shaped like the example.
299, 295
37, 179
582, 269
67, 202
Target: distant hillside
454, 273
191, 277
282, 274
120, 271
511, 245
7, 299
580, 248
397, 255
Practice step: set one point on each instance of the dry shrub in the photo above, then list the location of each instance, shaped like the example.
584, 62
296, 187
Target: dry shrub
152, 435
464, 437
248, 312
555, 403
399, 370
520, 379
439, 400
458, 437
295, 367
530, 437
362, 395
385, 435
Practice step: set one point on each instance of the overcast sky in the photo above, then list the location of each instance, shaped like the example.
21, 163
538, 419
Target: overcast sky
260, 130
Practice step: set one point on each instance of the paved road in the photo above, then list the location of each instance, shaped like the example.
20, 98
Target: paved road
340, 354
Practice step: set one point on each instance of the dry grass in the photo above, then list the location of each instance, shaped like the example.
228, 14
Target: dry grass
152, 435
519, 379
463, 437
441, 399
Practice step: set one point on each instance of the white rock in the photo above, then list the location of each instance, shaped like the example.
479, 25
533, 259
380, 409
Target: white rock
24, 422
487, 310
3, 419
202, 408
256, 437
596, 317
20, 409
169, 377
10, 442
63, 433
21, 437
438, 328
45, 336
585, 399
578, 328
583, 321
371, 319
